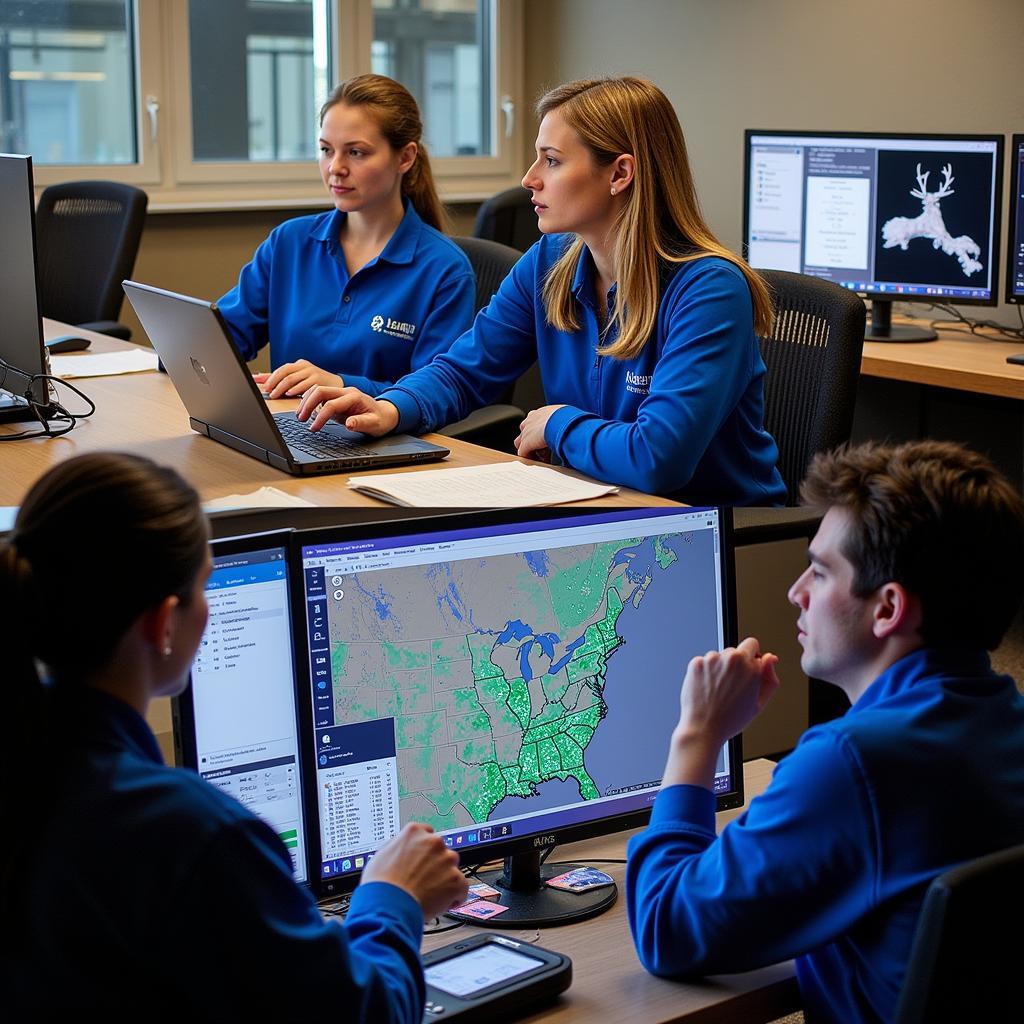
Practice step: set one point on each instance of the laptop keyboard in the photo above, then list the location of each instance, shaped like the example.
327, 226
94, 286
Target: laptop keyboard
298, 436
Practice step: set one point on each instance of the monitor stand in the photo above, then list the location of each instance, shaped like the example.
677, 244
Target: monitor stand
882, 328
533, 904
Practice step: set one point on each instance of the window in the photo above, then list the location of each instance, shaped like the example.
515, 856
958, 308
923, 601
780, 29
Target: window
213, 103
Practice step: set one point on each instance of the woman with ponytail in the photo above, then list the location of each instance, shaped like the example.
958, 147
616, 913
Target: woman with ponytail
364, 294
643, 324
127, 887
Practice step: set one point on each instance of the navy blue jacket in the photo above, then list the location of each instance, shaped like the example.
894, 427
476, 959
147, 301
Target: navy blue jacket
394, 315
831, 863
684, 418
150, 894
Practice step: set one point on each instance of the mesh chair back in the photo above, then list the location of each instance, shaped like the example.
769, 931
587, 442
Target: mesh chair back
959, 968
87, 236
509, 218
491, 262
813, 360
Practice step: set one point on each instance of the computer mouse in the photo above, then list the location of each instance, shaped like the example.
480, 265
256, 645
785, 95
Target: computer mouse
67, 343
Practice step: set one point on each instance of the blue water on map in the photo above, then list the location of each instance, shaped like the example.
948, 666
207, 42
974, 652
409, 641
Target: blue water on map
674, 622
538, 562
553, 793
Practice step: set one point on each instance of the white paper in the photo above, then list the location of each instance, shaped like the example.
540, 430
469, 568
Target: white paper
264, 497
502, 485
103, 364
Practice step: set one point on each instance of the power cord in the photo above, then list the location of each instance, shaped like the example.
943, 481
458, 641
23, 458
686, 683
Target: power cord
54, 418
967, 325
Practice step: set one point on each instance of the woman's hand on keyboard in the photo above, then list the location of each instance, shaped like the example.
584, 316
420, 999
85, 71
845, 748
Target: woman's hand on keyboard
349, 406
294, 379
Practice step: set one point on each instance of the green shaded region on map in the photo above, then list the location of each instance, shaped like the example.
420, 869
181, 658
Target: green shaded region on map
500, 709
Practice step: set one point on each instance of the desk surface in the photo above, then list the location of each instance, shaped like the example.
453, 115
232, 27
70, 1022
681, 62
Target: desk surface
608, 981
142, 413
959, 361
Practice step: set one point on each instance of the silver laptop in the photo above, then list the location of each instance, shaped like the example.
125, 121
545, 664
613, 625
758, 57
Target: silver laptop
223, 402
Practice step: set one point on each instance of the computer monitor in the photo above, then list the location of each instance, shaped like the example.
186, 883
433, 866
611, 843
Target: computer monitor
21, 335
1015, 231
512, 678
907, 218
237, 722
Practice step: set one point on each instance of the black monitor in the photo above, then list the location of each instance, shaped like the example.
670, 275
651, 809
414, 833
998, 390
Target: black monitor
907, 218
511, 677
237, 723
1015, 231
21, 334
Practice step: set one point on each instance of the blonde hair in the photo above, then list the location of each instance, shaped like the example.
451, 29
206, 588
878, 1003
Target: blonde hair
398, 118
660, 219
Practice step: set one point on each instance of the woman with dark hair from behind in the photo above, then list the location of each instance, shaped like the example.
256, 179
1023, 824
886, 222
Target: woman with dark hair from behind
128, 886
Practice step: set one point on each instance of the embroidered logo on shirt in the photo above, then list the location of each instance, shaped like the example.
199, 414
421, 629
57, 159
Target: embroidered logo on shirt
396, 328
637, 383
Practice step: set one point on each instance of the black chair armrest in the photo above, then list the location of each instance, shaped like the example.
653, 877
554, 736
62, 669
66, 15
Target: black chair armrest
489, 418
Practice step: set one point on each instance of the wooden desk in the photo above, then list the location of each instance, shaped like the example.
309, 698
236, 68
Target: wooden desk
955, 361
610, 985
142, 413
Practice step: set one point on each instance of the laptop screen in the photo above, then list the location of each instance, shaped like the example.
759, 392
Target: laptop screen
237, 723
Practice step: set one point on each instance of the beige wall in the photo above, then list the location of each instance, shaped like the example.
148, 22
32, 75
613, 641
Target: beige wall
727, 65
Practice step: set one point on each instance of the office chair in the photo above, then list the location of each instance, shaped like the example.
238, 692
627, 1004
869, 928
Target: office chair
87, 236
494, 426
813, 360
509, 218
960, 967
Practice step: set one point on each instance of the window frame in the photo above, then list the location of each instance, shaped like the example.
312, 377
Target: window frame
177, 183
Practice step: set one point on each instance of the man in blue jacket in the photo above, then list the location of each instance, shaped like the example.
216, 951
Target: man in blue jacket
915, 573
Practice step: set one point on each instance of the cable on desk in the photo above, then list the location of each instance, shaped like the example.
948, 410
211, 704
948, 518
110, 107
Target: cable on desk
49, 413
968, 325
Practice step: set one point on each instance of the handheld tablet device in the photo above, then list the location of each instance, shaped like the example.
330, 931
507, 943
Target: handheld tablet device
490, 976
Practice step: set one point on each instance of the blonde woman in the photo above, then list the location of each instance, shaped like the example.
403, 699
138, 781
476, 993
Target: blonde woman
373, 289
643, 324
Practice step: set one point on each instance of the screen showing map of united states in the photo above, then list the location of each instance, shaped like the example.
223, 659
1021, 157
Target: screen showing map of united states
522, 680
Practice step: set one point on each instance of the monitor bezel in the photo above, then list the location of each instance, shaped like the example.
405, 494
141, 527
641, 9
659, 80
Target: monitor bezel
334, 886
1016, 183
183, 718
24, 374
998, 139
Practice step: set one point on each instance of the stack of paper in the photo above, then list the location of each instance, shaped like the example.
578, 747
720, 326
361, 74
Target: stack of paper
103, 364
502, 485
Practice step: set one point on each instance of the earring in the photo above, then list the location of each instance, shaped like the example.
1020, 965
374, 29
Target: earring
166, 650
613, 191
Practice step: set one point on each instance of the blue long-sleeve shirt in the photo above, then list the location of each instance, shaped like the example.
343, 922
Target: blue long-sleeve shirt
831, 863
151, 893
683, 418
392, 316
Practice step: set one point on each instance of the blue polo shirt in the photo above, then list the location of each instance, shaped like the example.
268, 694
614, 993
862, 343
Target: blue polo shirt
393, 316
683, 418
831, 863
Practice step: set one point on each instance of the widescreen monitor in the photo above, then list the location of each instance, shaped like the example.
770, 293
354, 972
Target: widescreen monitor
237, 722
908, 218
1015, 231
21, 333
512, 678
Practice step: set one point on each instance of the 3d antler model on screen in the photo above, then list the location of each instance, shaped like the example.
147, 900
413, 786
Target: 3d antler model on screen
929, 224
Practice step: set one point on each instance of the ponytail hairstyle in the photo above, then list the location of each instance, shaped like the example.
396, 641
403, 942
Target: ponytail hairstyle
98, 540
398, 117
660, 220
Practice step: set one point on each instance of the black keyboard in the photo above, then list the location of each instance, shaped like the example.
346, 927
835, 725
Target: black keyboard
298, 436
